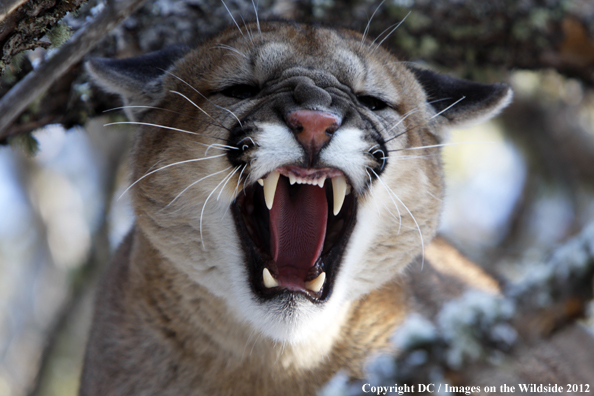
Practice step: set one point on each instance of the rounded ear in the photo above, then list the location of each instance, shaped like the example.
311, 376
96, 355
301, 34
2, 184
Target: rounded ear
137, 80
458, 102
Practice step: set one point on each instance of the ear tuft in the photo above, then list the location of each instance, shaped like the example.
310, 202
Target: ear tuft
137, 80
476, 102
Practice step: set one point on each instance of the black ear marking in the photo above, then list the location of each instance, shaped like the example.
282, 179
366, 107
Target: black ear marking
480, 101
143, 68
137, 80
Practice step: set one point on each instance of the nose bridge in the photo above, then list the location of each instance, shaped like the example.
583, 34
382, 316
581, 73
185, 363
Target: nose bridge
309, 96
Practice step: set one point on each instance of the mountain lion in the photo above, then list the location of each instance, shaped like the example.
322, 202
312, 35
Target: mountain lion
284, 176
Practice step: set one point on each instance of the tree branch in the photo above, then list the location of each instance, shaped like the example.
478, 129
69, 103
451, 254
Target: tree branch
38, 81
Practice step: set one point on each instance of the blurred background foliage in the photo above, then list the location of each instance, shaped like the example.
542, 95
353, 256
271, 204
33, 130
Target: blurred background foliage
517, 186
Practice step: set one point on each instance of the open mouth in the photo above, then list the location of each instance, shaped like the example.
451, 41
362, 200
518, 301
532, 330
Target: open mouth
295, 223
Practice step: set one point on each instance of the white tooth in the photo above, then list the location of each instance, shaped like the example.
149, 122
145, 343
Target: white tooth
292, 178
270, 188
321, 181
269, 281
261, 181
339, 187
315, 285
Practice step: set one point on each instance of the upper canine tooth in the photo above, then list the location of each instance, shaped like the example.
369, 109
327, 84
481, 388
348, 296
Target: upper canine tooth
292, 178
339, 187
270, 188
269, 281
315, 285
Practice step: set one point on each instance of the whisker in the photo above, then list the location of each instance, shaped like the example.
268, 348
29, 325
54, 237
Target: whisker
236, 188
167, 166
208, 100
406, 115
204, 206
449, 107
193, 184
239, 180
228, 178
436, 145
369, 24
149, 107
392, 199
249, 33
234, 21
218, 124
217, 146
405, 157
230, 48
370, 192
164, 127
199, 108
257, 19
409, 212
390, 33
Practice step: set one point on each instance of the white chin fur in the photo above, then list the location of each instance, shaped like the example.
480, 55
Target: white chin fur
297, 324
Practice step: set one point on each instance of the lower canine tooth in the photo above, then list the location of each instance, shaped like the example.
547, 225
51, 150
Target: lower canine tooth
270, 188
269, 281
315, 285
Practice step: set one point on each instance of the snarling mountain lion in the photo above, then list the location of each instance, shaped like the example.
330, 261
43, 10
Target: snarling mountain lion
283, 178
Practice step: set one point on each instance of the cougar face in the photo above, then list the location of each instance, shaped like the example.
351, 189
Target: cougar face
290, 170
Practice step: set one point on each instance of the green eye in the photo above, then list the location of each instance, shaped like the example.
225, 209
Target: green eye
240, 91
372, 103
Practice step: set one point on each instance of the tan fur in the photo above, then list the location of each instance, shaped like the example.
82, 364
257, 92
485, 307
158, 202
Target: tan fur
171, 313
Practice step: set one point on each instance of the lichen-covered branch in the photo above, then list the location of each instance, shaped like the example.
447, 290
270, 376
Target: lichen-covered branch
483, 339
26, 22
38, 81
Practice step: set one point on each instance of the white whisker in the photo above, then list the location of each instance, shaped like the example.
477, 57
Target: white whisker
239, 181
369, 24
193, 184
232, 49
161, 126
249, 33
196, 106
392, 199
234, 21
217, 146
228, 178
257, 19
208, 100
370, 192
409, 212
236, 188
204, 206
167, 166
405, 157
390, 33
438, 145
449, 107
406, 115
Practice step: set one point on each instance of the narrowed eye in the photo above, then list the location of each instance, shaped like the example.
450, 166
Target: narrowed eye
371, 102
240, 91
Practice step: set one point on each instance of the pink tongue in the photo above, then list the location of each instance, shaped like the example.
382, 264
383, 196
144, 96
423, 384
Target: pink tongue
297, 231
